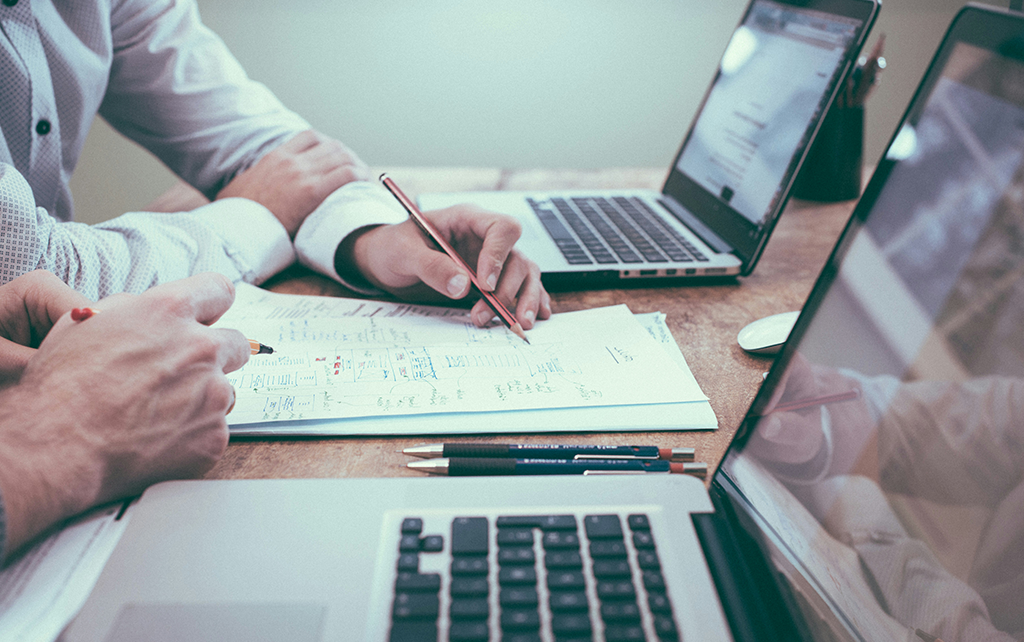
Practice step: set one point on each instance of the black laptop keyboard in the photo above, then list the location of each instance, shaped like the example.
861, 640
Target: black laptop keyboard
589, 230
552, 581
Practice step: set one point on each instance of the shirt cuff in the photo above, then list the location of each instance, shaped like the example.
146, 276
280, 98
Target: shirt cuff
253, 237
352, 206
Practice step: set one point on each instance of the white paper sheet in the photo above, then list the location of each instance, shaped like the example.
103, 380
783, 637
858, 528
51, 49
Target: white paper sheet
346, 366
44, 588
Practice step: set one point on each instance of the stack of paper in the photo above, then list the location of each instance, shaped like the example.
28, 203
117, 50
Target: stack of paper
354, 367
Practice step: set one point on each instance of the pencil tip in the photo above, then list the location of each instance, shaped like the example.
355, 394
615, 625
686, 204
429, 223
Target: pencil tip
518, 331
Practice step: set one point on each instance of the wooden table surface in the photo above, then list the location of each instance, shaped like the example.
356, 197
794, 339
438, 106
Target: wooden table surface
703, 319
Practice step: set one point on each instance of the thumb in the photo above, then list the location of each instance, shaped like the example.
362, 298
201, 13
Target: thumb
13, 359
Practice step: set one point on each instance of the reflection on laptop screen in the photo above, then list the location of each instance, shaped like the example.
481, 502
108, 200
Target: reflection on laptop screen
897, 507
773, 78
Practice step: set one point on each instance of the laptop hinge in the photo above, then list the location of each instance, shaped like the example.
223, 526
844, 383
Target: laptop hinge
756, 602
716, 242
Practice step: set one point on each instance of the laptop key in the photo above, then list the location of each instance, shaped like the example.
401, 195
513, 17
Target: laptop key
517, 575
648, 560
620, 612
603, 526
518, 596
409, 543
409, 562
469, 536
412, 526
469, 631
665, 627
519, 619
563, 559
512, 555
469, 565
469, 586
520, 637
624, 633
568, 601
558, 579
415, 606
643, 539
475, 608
609, 569
654, 582
560, 539
414, 582
658, 603
515, 537
544, 522
608, 548
432, 544
570, 624
413, 631
616, 590
639, 522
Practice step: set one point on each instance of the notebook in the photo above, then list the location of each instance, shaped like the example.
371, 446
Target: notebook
883, 504
732, 176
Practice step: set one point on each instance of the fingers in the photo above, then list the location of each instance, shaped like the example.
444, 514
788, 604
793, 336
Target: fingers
13, 359
499, 234
520, 285
399, 257
204, 297
233, 347
31, 304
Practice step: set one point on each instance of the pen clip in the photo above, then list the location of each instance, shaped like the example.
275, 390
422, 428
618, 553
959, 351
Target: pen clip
623, 472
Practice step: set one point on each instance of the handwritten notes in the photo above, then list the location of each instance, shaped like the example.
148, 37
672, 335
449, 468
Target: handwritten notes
343, 365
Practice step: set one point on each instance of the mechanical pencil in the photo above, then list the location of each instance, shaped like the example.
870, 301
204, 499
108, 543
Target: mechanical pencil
464, 466
550, 451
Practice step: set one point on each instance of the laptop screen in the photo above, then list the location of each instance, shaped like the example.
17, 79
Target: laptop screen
884, 458
773, 81
776, 78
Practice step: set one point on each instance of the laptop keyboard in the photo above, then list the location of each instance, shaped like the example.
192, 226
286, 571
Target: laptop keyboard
589, 230
539, 577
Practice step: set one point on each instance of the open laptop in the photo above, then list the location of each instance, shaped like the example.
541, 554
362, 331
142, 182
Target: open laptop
883, 504
732, 176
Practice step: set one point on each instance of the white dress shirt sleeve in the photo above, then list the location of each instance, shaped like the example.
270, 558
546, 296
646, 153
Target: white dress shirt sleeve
235, 237
353, 206
177, 90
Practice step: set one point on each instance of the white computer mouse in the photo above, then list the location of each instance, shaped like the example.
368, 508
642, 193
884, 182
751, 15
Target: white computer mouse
766, 336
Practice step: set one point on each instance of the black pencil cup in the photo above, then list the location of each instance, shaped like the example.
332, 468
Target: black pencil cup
832, 170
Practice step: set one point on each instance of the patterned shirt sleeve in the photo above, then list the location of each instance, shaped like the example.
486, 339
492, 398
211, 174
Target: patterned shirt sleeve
235, 237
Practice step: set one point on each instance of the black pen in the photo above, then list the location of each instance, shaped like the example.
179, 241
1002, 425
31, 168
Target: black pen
549, 451
464, 466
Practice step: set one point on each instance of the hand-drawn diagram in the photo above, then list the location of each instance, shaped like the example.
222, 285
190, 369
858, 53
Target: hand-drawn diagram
381, 365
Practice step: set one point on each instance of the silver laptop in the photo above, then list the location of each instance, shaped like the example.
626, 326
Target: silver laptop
873, 492
731, 178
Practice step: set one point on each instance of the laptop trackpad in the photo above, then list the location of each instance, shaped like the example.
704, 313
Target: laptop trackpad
219, 622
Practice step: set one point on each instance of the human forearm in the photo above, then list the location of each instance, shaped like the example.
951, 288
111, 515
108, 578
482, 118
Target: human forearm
130, 396
235, 237
177, 90
44, 474
954, 441
361, 236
